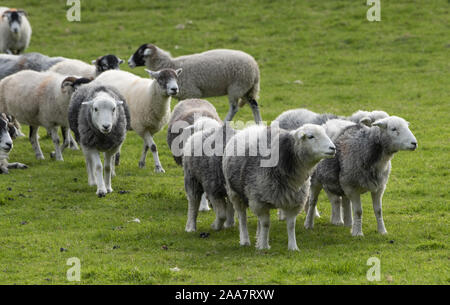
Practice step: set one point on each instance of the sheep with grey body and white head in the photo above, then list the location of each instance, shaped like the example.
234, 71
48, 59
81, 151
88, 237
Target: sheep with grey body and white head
362, 164
98, 118
15, 30
149, 103
202, 164
40, 99
8, 132
280, 181
212, 73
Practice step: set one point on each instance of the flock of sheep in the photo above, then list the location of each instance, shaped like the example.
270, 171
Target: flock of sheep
226, 168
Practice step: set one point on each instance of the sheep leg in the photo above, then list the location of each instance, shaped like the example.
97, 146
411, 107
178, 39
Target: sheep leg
336, 216
233, 108
194, 192
68, 140
281, 215
377, 209
241, 210
347, 211
255, 110
291, 217
357, 214
230, 215
35, 142
312, 204
16, 165
204, 204
150, 143
97, 167
263, 215
109, 166
56, 142
91, 178
220, 207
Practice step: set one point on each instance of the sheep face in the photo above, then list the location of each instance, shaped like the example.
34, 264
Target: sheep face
104, 113
396, 130
14, 19
71, 83
107, 62
6, 143
167, 80
313, 140
142, 54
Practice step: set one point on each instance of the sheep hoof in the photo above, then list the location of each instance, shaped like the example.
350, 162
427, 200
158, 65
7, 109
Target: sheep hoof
383, 232
357, 233
227, 224
109, 190
245, 243
293, 248
101, 193
264, 247
141, 164
190, 229
40, 157
309, 226
337, 222
159, 169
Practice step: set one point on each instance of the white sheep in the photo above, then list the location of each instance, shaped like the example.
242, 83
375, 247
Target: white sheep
39, 99
15, 31
80, 68
98, 118
269, 168
362, 164
212, 73
7, 133
148, 101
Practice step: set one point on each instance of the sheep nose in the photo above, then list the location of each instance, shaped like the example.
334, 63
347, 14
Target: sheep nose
8, 146
333, 148
414, 144
106, 127
174, 90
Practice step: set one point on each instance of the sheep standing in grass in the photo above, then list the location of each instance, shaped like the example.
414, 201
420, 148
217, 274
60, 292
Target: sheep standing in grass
40, 99
362, 164
10, 64
282, 183
97, 116
208, 74
7, 133
149, 103
15, 31
202, 163
80, 68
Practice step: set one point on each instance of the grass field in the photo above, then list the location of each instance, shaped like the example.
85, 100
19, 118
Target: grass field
344, 62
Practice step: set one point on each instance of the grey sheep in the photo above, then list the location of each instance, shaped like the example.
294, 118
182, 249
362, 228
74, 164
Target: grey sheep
202, 164
362, 164
15, 30
10, 64
281, 183
99, 118
212, 73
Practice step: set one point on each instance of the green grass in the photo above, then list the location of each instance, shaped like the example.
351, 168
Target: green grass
400, 65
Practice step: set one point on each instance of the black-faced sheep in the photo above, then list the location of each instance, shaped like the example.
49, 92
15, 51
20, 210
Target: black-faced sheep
362, 164
212, 73
281, 182
97, 116
15, 31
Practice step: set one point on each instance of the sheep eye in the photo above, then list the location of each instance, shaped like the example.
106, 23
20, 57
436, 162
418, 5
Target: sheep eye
114, 109
95, 109
311, 137
394, 129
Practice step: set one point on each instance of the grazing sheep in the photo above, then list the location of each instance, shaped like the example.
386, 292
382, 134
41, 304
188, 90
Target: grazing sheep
362, 164
15, 31
39, 99
208, 74
98, 118
282, 185
149, 103
80, 68
202, 163
7, 133
10, 64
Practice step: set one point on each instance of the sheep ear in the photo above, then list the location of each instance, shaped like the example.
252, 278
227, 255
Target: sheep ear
68, 81
299, 135
152, 73
380, 123
147, 52
120, 61
366, 121
119, 103
87, 103
22, 13
178, 71
94, 62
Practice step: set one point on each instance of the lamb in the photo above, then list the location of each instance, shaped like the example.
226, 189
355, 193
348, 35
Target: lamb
80, 68
202, 164
40, 99
149, 103
15, 31
212, 73
7, 133
280, 183
98, 117
362, 164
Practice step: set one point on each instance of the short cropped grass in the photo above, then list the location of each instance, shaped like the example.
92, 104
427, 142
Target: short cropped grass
323, 55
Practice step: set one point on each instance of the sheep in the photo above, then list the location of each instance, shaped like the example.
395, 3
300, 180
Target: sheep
98, 117
190, 115
149, 103
212, 73
80, 68
202, 164
280, 183
40, 99
7, 133
15, 31
362, 164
